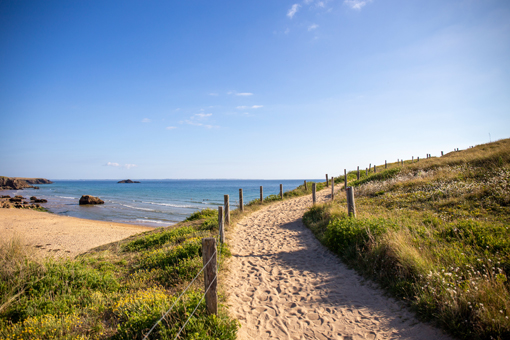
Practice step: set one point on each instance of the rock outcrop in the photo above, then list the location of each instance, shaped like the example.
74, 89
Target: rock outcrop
88, 199
128, 181
38, 200
37, 181
20, 202
15, 183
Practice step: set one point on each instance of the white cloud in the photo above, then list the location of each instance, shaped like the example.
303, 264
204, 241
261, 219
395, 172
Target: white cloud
293, 10
308, 2
202, 115
240, 93
170, 127
146, 120
249, 107
312, 27
213, 94
194, 123
287, 31
356, 4
127, 166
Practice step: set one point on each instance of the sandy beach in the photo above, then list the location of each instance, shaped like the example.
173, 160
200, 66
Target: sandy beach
284, 284
55, 235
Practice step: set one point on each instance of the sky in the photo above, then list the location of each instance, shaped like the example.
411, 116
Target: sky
246, 89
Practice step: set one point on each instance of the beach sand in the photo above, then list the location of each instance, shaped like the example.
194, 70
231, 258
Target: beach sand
283, 284
55, 235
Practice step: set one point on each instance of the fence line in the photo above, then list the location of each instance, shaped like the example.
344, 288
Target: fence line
175, 302
199, 302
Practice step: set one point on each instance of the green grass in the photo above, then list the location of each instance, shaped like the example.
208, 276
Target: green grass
115, 292
435, 233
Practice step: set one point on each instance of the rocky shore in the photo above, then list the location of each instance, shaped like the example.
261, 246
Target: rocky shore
19, 183
21, 202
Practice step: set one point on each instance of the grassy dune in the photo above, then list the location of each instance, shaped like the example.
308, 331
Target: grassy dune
434, 233
120, 290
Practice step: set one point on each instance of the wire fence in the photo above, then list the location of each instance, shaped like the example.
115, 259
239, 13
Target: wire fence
220, 246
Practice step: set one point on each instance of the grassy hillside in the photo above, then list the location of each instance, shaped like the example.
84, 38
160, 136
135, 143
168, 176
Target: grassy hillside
120, 290
434, 233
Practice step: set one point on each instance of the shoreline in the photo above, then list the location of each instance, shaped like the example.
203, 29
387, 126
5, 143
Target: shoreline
153, 203
62, 236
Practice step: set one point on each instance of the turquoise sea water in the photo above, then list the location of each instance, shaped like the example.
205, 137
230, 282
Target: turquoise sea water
151, 202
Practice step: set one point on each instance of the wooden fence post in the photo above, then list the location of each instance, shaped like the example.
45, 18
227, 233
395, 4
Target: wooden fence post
366, 171
327, 181
332, 188
261, 195
306, 186
386, 164
402, 162
441, 153
221, 224
210, 272
281, 191
375, 169
345, 178
417, 159
241, 204
357, 175
369, 166
227, 209
412, 159
314, 198
351, 207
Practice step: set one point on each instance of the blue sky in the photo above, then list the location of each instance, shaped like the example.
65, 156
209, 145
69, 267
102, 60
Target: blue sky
246, 89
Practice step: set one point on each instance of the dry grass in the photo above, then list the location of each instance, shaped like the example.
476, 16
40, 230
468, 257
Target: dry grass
435, 233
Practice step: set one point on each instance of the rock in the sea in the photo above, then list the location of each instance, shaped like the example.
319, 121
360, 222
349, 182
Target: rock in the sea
128, 181
40, 200
38, 181
88, 199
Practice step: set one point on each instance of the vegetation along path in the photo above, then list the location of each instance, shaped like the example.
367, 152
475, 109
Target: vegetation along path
285, 285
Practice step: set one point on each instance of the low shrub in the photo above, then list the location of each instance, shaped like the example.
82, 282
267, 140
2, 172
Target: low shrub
200, 214
158, 238
272, 198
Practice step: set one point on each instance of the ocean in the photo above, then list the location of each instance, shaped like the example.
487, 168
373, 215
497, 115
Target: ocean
152, 203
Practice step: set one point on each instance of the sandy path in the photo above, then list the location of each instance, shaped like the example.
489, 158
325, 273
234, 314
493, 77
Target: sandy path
285, 285
58, 235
